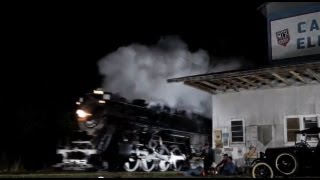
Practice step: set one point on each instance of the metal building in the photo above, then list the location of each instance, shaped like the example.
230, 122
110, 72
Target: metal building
263, 107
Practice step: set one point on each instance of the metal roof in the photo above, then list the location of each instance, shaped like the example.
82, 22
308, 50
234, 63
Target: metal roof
270, 77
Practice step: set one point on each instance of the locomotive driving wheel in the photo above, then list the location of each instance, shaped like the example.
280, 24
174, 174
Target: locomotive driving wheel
163, 164
147, 163
178, 164
132, 164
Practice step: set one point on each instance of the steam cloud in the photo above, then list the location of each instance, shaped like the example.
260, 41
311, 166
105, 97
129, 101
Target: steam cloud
139, 71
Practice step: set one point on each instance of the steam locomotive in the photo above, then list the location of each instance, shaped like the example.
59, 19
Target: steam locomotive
115, 134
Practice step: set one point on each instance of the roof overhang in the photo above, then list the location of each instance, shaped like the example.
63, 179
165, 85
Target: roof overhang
263, 78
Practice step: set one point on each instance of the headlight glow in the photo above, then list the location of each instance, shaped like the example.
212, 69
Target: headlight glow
82, 114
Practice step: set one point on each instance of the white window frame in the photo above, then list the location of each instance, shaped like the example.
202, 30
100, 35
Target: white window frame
243, 130
301, 126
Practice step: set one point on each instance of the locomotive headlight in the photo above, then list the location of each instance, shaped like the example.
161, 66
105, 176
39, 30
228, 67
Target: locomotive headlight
82, 114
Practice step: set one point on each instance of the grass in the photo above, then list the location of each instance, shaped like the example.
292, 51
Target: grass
95, 175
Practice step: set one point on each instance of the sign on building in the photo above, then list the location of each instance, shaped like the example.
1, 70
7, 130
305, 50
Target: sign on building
293, 31
296, 36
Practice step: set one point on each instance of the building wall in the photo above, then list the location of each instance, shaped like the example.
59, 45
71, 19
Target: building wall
264, 113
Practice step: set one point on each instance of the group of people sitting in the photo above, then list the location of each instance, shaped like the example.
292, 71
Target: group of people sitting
225, 167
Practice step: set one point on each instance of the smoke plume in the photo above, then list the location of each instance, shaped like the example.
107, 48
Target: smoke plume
139, 71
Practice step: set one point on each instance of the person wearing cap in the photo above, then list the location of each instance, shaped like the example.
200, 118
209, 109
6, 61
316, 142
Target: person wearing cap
220, 166
229, 168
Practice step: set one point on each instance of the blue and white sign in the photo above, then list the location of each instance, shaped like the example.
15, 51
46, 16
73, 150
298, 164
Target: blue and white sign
295, 36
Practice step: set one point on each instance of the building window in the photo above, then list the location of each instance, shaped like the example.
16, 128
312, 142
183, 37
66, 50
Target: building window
293, 125
298, 123
237, 130
310, 122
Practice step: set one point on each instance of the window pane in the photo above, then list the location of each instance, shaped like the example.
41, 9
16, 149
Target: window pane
291, 135
236, 123
237, 139
239, 133
310, 122
293, 123
236, 128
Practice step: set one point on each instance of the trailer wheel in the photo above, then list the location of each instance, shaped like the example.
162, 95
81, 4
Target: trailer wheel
262, 170
286, 164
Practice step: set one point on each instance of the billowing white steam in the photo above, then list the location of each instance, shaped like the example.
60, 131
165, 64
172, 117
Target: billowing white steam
139, 71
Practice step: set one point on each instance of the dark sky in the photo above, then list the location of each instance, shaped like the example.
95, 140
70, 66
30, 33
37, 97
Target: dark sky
52, 50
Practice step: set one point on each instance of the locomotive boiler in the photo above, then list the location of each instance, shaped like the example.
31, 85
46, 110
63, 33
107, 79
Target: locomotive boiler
118, 134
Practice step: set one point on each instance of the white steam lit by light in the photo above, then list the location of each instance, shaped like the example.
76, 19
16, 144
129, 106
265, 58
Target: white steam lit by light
82, 113
152, 65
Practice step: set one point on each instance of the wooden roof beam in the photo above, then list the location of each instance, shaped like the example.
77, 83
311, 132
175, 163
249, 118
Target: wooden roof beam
313, 74
280, 78
298, 76
238, 83
227, 84
248, 81
267, 81
208, 83
222, 87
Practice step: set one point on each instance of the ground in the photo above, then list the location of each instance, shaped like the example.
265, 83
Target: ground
169, 174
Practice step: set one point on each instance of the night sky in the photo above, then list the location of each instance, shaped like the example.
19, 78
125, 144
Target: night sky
56, 49
52, 51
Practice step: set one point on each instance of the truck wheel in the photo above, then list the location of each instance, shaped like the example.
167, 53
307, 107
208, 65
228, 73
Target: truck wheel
286, 164
262, 170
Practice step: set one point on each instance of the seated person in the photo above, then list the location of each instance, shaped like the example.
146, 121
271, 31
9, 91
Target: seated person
229, 168
251, 154
219, 167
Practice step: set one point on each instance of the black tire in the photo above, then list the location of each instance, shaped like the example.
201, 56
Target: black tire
256, 161
262, 170
286, 164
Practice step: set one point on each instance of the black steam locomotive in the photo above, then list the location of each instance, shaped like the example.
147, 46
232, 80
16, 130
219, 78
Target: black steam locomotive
117, 134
